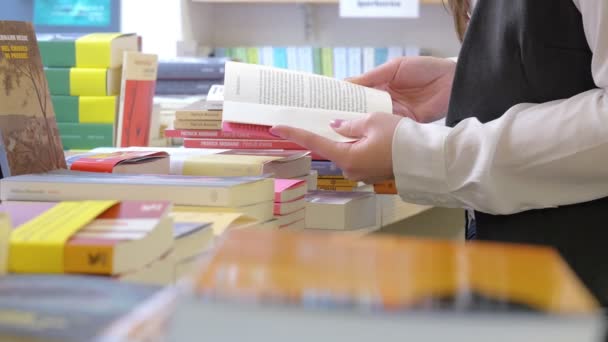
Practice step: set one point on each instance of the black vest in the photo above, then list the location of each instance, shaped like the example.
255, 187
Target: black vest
532, 51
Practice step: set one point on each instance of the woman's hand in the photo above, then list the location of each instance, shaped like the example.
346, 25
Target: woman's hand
419, 86
369, 159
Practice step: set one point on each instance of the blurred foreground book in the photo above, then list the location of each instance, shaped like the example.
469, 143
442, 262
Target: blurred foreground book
291, 286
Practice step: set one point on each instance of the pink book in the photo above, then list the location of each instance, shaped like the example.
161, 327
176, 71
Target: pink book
242, 144
286, 190
229, 130
284, 208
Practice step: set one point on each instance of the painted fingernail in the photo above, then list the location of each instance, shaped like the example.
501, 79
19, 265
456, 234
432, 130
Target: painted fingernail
336, 123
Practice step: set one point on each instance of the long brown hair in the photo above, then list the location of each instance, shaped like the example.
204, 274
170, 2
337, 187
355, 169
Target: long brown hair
460, 10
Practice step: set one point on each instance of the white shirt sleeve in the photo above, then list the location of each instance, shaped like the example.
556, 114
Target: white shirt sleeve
534, 156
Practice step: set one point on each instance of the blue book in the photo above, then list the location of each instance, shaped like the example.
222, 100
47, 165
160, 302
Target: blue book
325, 168
280, 57
380, 56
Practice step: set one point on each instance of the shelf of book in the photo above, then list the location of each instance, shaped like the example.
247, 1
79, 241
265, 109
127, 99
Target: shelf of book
424, 2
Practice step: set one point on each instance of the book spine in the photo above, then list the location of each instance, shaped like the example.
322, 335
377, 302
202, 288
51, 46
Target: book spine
326, 168
336, 182
267, 56
198, 115
335, 188
292, 58
184, 87
253, 55
86, 136
197, 124
97, 109
369, 58
340, 63
380, 56
327, 63
58, 80
66, 108
280, 57
386, 188
190, 71
217, 134
355, 64
316, 60
242, 144
194, 167
394, 52
58, 53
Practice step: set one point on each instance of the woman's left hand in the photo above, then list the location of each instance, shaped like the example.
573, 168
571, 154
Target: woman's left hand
369, 159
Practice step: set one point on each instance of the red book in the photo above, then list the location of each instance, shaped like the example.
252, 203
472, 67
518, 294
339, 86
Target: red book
242, 144
121, 162
137, 89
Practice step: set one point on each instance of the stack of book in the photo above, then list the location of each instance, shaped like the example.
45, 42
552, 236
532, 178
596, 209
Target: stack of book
84, 76
198, 116
340, 210
189, 75
289, 203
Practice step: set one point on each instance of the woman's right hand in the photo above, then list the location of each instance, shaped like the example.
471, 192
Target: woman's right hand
420, 87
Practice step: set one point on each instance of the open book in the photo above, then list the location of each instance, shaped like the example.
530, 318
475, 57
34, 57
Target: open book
268, 96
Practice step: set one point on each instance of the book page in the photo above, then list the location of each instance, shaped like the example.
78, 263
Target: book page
268, 96
279, 87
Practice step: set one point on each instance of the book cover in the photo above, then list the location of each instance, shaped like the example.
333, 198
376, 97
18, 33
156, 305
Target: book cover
106, 162
95, 50
27, 120
85, 136
259, 144
137, 89
65, 308
288, 189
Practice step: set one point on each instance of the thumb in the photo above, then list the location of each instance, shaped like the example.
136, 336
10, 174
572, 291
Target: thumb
378, 76
350, 129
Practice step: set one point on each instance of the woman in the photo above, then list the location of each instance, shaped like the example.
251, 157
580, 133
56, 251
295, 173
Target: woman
526, 145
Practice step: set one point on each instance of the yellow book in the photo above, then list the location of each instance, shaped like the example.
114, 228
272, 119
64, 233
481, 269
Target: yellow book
97, 109
94, 82
5, 228
253, 55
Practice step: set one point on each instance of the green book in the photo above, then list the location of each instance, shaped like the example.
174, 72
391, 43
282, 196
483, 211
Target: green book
253, 55
327, 61
240, 53
316, 61
77, 136
85, 109
84, 81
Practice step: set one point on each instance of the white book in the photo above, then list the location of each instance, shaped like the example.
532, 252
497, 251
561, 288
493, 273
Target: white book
355, 61
305, 62
292, 58
395, 52
340, 63
267, 56
341, 210
412, 50
369, 56
267, 96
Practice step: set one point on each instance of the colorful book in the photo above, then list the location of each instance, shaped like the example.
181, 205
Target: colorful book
280, 57
292, 58
380, 56
305, 60
326, 168
341, 210
137, 96
83, 81
340, 63
316, 61
436, 290
286, 190
225, 133
355, 61
267, 55
136, 162
122, 237
75, 136
191, 68
336, 182
63, 185
68, 308
96, 50
30, 140
85, 109
198, 111
242, 144
253, 55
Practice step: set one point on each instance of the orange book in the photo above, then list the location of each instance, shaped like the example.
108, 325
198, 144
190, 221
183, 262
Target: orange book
386, 188
390, 274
